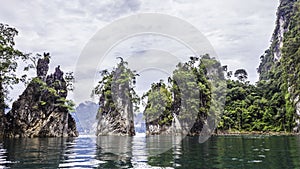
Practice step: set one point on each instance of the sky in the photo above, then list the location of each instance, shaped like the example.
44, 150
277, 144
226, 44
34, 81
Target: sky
238, 30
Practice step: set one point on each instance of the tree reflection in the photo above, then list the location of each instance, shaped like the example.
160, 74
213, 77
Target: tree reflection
116, 151
34, 152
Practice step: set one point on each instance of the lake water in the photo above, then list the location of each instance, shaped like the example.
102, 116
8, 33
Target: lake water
138, 152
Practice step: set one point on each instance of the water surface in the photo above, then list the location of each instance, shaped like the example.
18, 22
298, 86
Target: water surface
138, 152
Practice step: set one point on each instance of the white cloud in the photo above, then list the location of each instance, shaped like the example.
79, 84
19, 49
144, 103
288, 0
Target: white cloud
239, 30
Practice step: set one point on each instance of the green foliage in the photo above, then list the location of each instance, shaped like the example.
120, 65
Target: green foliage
269, 106
159, 104
116, 85
257, 108
49, 94
68, 104
42, 103
268, 61
241, 74
188, 94
9, 57
244, 108
44, 87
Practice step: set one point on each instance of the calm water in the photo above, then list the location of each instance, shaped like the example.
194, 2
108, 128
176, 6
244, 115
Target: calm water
137, 152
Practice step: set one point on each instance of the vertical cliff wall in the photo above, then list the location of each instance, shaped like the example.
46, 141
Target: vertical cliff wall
273, 54
280, 65
115, 114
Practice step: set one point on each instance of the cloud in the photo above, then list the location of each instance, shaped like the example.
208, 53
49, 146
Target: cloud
107, 10
240, 31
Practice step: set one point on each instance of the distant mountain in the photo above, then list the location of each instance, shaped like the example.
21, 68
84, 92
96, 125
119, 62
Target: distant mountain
85, 117
139, 123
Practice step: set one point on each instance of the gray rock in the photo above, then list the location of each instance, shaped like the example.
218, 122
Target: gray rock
41, 111
43, 66
115, 116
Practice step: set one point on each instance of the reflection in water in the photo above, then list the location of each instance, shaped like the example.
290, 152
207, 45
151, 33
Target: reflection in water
143, 152
115, 150
156, 145
34, 153
133, 152
3, 157
80, 153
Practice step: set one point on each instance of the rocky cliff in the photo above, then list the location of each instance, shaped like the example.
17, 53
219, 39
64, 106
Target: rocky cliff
183, 106
280, 63
2, 112
115, 114
273, 54
284, 13
41, 110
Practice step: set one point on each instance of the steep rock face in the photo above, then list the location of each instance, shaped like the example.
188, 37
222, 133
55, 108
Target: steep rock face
115, 114
273, 54
284, 13
2, 112
280, 63
291, 55
41, 111
173, 127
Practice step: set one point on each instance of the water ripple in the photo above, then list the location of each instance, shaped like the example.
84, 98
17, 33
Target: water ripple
92, 152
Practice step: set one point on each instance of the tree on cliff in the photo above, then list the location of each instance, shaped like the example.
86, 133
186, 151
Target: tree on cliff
241, 74
159, 104
117, 100
42, 110
188, 96
271, 104
9, 57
